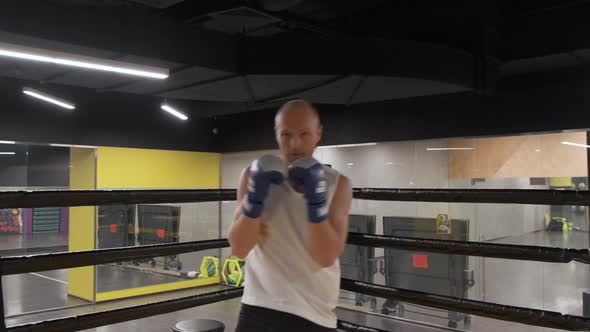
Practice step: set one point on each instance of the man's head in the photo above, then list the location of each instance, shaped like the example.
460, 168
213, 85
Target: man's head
297, 129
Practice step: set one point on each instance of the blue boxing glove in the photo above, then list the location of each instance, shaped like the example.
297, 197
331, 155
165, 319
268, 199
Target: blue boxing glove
264, 171
309, 173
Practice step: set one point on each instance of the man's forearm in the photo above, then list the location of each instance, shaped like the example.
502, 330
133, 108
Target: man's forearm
325, 244
244, 235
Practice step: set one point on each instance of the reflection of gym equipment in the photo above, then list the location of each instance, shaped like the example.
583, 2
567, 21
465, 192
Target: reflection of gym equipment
233, 271
357, 262
45, 220
563, 218
558, 224
9, 221
158, 224
116, 226
209, 267
428, 272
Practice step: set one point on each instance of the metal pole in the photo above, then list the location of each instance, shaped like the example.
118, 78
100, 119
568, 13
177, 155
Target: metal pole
587, 208
219, 227
3, 320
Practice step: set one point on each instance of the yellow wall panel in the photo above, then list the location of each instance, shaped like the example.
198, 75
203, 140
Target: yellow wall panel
82, 169
82, 222
147, 169
125, 168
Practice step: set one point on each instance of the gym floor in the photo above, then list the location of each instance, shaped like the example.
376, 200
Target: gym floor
556, 287
20, 244
40, 291
548, 286
226, 312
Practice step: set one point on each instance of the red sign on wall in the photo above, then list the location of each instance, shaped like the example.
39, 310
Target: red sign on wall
420, 261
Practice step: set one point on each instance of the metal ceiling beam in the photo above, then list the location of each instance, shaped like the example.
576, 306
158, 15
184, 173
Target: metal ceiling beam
159, 38
356, 89
195, 84
545, 33
191, 11
120, 30
294, 92
545, 6
348, 56
249, 89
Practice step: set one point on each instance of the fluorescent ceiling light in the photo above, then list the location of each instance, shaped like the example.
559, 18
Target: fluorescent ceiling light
48, 98
449, 149
174, 112
345, 145
48, 56
7, 142
350, 164
73, 146
576, 144
7, 153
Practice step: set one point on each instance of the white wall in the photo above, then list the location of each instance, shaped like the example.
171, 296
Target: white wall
410, 165
198, 221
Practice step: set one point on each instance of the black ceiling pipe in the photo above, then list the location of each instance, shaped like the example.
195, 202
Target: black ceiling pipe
277, 5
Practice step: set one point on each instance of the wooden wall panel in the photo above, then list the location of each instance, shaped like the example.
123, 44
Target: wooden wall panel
519, 156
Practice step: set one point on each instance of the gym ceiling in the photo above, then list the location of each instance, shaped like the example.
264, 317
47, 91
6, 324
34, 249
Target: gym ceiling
234, 56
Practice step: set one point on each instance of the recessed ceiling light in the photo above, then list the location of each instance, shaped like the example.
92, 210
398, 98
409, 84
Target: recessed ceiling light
60, 58
72, 146
345, 145
48, 98
174, 112
576, 144
449, 149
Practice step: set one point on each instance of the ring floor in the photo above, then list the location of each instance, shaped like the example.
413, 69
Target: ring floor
227, 312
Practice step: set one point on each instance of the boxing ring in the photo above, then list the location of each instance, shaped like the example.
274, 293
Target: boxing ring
534, 317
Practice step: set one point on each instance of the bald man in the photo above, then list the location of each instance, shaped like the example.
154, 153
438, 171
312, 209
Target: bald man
291, 223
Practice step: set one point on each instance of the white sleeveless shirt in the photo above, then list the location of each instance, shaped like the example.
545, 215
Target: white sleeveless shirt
281, 274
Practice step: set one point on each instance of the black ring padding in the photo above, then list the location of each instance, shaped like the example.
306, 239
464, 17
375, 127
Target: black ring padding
65, 198
515, 314
97, 319
351, 327
503, 196
468, 248
64, 260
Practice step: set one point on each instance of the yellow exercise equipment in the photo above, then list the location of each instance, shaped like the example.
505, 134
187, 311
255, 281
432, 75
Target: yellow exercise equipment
233, 271
209, 267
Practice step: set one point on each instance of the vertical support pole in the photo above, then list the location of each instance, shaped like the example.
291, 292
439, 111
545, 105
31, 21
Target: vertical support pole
3, 320
588, 206
588, 178
220, 227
